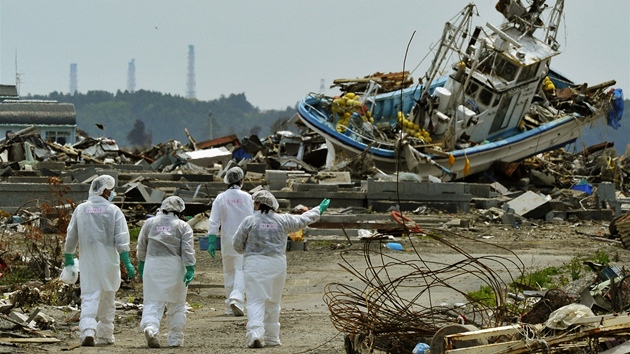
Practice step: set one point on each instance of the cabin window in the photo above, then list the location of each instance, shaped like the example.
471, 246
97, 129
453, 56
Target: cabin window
505, 68
500, 121
485, 97
472, 89
485, 62
528, 72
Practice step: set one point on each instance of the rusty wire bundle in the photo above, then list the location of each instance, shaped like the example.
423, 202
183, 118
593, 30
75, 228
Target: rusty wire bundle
395, 307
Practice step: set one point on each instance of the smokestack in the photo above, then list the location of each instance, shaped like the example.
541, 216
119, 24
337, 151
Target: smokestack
190, 78
73, 78
131, 76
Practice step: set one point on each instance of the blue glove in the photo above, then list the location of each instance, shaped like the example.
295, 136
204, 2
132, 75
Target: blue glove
140, 268
190, 274
212, 245
324, 205
68, 259
124, 256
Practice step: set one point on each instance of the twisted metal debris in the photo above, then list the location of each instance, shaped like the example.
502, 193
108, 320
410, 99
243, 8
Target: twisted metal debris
395, 306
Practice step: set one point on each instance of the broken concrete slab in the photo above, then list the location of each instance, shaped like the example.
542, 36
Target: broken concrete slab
21, 195
457, 194
209, 157
310, 187
337, 178
277, 179
136, 191
486, 203
529, 205
84, 174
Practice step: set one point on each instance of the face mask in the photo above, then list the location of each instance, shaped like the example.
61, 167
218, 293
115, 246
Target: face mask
112, 194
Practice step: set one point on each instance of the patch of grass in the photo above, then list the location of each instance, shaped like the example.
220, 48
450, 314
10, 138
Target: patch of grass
601, 257
17, 275
543, 278
320, 243
576, 264
575, 268
484, 295
195, 305
133, 234
550, 277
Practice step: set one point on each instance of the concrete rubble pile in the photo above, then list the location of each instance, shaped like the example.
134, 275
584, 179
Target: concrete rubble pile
42, 181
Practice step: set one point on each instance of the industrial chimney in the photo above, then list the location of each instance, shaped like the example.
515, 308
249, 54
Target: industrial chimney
73, 78
190, 78
131, 76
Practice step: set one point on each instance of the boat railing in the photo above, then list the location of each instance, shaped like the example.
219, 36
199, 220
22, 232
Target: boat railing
321, 114
365, 138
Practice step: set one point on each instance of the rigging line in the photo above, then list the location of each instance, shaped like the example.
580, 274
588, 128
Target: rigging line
398, 146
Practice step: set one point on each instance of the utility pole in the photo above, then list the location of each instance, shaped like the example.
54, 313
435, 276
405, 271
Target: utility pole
211, 125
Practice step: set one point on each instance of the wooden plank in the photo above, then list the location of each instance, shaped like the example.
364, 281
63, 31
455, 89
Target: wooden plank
601, 326
204, 286
30, 340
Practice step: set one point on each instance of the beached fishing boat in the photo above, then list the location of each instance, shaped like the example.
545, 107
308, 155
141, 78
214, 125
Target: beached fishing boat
499, 101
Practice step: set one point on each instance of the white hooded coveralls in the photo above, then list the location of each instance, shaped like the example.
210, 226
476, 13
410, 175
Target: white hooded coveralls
165, 244
100, 230
262, 238
228, 210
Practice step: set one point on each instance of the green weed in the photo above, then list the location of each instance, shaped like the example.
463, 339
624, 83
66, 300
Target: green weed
133, 234
484, 295
17, 275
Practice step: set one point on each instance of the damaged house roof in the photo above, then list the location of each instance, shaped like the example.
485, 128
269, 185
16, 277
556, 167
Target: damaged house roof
37, 112
8, 91
57, 122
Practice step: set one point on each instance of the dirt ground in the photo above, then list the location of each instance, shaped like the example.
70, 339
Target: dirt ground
305, 323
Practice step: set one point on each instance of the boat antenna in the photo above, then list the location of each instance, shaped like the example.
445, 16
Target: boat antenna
400, 133
402, 82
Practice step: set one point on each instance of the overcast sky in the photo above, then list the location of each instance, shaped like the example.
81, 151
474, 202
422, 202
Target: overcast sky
274, 51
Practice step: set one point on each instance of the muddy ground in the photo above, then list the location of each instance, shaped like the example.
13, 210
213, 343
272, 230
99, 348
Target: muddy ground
306, 326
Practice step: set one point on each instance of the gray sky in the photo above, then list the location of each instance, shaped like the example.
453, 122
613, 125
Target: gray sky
274, 51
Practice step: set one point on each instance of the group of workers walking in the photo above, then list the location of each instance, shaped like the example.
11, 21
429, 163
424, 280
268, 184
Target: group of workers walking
253, 243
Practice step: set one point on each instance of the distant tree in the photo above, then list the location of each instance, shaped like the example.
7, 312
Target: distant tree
165, 116
138, 136
255, 130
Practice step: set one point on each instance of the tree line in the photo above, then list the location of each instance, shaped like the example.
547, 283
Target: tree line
144, 118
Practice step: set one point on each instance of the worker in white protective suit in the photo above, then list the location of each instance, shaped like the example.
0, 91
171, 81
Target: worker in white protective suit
100, 230
166, 265
228, 210
262, 238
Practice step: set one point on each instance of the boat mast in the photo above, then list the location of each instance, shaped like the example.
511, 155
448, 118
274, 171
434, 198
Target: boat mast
452, 40
554, 25
448, 43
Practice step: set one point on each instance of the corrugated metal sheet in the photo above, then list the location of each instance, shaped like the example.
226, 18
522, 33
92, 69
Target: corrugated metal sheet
37, 113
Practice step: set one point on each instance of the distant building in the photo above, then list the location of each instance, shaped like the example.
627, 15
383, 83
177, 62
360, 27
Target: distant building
56, 122
8, 92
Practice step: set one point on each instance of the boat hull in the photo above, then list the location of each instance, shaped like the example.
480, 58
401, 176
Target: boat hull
549, 136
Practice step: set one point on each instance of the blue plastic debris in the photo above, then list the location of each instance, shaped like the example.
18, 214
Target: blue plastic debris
394, 246
420, 348
583, 186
